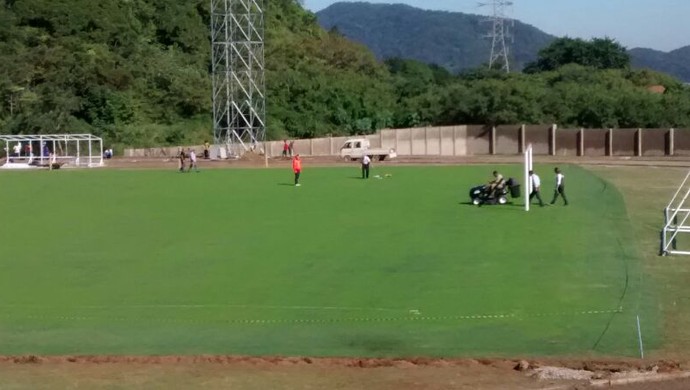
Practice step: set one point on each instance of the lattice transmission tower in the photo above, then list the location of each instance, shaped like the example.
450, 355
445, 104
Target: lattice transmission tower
239, 87
500, 34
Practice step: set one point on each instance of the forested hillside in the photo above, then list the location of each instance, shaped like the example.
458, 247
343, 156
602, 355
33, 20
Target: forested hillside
454, 40
458, 41
137, 72
676, 62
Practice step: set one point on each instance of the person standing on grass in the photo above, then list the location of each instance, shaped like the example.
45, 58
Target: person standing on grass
536, 187
297, 168
286, 147
181, 156
192, 161
560, 187
366, 162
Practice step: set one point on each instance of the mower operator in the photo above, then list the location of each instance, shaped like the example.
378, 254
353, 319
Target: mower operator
497, 183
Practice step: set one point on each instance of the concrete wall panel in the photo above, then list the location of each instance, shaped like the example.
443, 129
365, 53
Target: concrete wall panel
508, 139
567, 141
478, 140
538, 136
655, 142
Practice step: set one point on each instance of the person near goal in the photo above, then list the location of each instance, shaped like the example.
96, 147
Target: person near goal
536, 188
297, 168
560, 187
366, 163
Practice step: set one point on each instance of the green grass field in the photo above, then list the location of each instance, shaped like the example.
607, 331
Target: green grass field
241, 262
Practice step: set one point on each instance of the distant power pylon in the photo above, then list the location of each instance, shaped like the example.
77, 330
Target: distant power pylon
239, 91
500, 33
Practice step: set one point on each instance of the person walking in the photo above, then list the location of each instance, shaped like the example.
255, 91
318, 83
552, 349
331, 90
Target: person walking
181, 156
286, 147
297, 168
366, 162
560, 187
536, 188
192, 161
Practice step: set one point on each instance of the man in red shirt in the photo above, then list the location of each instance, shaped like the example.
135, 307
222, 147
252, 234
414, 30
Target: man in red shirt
297, 168
286, 147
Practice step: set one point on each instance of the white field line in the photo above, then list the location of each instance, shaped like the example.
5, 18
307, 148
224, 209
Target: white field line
208, 306
415, 318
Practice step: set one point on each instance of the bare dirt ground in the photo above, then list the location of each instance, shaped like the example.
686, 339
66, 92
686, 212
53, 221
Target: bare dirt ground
228, 372
256, 161
222, 372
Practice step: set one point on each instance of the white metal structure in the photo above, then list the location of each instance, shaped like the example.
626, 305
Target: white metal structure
676, 216
46, 150
237, 68
528, 180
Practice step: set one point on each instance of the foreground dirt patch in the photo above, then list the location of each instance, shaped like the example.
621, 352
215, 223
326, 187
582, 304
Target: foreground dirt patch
222, 372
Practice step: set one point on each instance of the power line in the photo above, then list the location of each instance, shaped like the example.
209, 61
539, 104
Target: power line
500, 33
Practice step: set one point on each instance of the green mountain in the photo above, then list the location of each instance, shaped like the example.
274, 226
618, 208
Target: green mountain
676, 62
454, 40
457, 41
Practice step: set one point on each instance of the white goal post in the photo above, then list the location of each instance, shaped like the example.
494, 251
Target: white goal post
676, 220
528, 181
49, 150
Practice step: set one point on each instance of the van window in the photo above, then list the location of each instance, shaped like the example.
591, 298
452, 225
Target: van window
347, 145
358, 145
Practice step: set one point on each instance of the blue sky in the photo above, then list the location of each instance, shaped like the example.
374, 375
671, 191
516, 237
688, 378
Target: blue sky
656, 24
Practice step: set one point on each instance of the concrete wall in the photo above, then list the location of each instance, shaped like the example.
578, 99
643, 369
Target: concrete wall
681, 142
508, 139
624, 142
485, 140
655, 142
568, 142
540, 138
478, 140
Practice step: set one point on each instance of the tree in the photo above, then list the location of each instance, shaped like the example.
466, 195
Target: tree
599, 53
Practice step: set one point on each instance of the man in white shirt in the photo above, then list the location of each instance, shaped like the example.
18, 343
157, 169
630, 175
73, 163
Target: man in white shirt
192, 161
16, 149
560, 187
366, 162
536, 187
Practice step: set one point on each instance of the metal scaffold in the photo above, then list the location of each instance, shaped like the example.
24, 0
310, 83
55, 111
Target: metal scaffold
238, 72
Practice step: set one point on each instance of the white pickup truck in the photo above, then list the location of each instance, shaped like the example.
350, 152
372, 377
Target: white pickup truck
356, 148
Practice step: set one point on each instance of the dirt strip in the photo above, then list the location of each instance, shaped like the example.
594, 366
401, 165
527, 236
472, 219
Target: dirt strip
254, 161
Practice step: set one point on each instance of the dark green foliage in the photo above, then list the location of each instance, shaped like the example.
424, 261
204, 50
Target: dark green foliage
137, 72
598, 53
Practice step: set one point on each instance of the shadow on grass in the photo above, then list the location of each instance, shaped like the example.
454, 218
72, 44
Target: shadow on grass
287, 184
509, 206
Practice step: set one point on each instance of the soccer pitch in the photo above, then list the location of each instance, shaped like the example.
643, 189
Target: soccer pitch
242, 262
